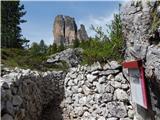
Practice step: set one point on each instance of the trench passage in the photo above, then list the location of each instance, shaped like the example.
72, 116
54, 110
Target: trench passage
52, 110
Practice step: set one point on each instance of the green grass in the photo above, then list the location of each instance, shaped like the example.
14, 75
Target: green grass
24, 59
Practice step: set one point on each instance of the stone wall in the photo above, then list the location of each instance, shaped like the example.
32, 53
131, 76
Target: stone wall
97, 93
25, 94
86, 93
144, 43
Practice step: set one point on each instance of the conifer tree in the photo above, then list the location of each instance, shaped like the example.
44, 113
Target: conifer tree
76, 43
11, 13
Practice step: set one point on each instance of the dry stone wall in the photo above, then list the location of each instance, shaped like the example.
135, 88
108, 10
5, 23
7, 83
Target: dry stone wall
85, 93
25, 93
97, 93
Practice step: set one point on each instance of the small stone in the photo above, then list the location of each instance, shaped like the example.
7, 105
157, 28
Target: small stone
125, 86
102, 79
9, 107
81, 83
70, 83
117, 109
95, 72
73, 76
68, 93
17, 100
120, 78
101, 118
83, 100
101, 88
108, 72
75, 89
95, 66
68, 100
5, 85
26, 72
109, 88
112, 65
79, 90
125, 119
91, 77
79, 111
131, 113
86, 114
110, 77
120, 95
116, 84
106, 97
86, 90
8, 94
112, 118
97, 97
80, 77
76, 81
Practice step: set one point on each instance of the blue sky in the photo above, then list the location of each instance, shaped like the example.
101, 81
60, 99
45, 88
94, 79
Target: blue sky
40, 16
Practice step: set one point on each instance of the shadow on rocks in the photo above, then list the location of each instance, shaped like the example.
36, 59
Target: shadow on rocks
53, 111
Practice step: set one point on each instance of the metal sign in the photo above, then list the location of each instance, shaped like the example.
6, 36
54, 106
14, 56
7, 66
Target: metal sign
137, 82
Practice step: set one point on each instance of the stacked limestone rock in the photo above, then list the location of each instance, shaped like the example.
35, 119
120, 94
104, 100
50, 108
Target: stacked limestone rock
96, 93
25, 93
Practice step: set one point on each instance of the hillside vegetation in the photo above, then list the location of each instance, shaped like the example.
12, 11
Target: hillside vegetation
13, 57
102, 47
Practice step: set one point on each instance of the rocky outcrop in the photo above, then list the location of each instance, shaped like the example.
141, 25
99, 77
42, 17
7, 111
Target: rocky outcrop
65, 30
59, 30
72, 57
70, 30
144, 43
82, 34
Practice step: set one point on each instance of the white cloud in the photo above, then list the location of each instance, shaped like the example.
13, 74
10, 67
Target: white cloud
96, 21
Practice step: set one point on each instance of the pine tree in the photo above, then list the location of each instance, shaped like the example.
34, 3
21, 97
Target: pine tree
54, 48
35, 48
11, 13
76, 43
116, 35
43, 47
61, 47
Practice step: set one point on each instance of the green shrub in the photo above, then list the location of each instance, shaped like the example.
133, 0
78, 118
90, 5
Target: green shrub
155, 19
52, 49
105, 47
76, 43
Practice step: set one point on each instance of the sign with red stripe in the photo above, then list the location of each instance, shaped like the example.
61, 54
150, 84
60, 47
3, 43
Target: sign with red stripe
137, 82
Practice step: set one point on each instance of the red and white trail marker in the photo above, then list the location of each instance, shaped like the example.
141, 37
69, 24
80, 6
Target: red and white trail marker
137, 82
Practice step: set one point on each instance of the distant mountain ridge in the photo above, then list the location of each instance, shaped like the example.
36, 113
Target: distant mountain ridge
65, 30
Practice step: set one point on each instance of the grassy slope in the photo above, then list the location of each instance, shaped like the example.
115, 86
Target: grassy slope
24, 59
